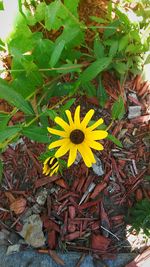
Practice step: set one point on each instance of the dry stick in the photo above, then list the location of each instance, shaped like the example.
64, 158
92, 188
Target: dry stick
109, 232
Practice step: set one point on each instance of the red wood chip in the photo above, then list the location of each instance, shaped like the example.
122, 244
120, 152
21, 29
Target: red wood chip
100, 242
52, 239
98, 189
72, 212
61, 182
74, 235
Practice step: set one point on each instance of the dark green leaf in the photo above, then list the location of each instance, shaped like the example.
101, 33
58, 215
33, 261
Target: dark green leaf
15, 99
39, 134
114, 140
120, 67
101, 94
8, 132
118, 109
94, 69
98, 48
89, 88
56, 54
4, 119
51, 113
123, 42
67, 105
113, 48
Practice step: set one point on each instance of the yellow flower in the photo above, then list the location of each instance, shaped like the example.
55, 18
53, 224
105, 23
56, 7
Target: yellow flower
51, 166
77, 137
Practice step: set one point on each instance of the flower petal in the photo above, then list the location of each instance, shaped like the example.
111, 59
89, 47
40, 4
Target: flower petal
72, 155
96, 124
69, 116
58, 143
87, 154
94, 144
57, 132
54, 171
63, 149
87, 118
64, 125
45, 162
97, 135
77, 118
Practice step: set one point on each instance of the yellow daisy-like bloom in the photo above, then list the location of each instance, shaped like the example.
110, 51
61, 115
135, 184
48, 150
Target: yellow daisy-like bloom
51, 166
77, 137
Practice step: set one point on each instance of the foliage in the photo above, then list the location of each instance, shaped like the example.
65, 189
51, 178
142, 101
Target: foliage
139, 216
46, 43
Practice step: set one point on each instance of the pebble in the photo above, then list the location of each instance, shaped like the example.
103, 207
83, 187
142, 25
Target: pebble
98, 167
32, 231
12, 249
134, 111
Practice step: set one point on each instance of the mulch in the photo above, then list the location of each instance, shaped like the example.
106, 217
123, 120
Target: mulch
98, 224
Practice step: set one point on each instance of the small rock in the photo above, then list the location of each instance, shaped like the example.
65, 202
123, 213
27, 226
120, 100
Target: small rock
98, 167
134, 111
36, 209
78, 158
127, 143
12, 249
32, 231
41, 197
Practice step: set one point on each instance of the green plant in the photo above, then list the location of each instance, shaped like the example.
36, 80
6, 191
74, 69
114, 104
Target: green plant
46, 42
139, 217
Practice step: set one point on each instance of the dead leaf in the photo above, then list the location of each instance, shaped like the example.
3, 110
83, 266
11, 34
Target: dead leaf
19, 205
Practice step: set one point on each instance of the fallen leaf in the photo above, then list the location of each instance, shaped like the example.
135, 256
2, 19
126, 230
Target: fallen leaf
19, 205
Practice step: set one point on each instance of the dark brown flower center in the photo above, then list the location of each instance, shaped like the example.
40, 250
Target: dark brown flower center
53, 162
77, 136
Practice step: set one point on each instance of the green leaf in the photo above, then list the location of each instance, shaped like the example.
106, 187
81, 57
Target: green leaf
72, 35
56, 54
69, 67
98, 48
8, 132
120, 67
4, 119
72, 6
101, 94
52, 21
113, 48
1, 5
97, 19
89, 88
15, 99
118, 109
1, 170
112, 29
51, 113
115, 140
67, 105
94, 69
39, 134
123, 43
40, 11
